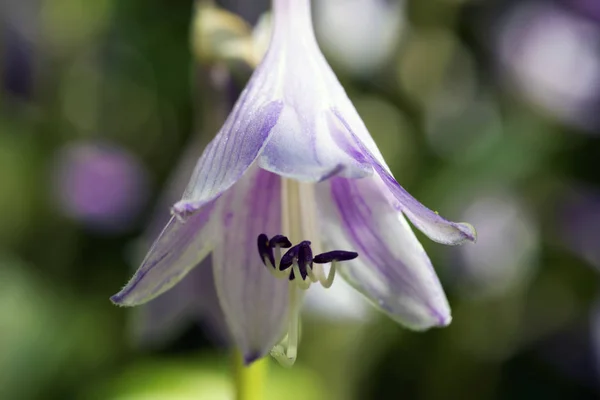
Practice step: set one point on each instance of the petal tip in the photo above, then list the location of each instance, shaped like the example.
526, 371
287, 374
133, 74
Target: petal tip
127, 298
120, 299
443, 319
436, 319
469, 231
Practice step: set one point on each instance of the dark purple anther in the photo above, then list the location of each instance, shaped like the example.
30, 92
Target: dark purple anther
301, 254
304, 260
288, 258
281, 241
265, 250
336, 255
305, 254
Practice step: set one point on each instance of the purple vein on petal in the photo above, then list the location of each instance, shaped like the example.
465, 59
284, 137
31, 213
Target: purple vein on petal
177, 250
359, 219
230, 154
429, 222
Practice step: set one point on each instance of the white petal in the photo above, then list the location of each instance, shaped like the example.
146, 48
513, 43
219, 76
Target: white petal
254, 302
160, 320
392, 268
234, 149
301, 147
429, 222
179, 248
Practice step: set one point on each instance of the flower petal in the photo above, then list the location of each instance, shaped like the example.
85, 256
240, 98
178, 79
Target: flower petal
179, 248
392, 269
429, 222
233, 150
302, 148
159, 321
254, 302
193, 300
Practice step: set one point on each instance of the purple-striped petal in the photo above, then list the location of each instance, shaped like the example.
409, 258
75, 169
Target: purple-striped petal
429, 222
301, 146
392, 269
234, 149
179, 248
254, 302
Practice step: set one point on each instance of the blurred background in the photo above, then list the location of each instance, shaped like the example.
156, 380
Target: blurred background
487, 111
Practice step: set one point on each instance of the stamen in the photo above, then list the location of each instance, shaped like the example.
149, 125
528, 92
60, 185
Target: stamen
266, 251
332, 257
270, 252
288, 258
336, 255
305, 257
280, 241
327, 282
299, 259
301, 269
297, 263
298, 271
312, 274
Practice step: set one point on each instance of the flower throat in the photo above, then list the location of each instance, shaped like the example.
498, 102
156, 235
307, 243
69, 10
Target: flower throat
297, 265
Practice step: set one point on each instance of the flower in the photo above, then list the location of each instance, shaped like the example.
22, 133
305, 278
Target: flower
531, 41
99, 184
294, 158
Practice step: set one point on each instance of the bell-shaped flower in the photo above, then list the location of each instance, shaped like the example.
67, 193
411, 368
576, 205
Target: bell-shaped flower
294, 158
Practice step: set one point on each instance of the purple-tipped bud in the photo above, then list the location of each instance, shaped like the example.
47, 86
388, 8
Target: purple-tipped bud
336, 255
281, 241
265, 250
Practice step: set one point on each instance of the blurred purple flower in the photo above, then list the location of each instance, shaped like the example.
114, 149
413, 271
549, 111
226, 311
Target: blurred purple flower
553, 57
295, 158
99, 184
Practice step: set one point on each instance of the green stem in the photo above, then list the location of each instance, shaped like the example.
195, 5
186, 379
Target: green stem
249, 380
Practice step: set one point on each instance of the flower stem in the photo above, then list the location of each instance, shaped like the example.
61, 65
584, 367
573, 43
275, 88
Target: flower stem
249, 380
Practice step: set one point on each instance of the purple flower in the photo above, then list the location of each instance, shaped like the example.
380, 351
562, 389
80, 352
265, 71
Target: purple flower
532, 40
99, 184
294, 158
